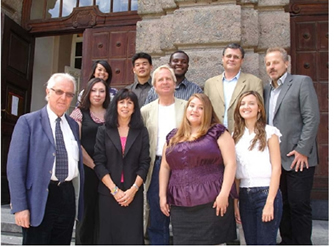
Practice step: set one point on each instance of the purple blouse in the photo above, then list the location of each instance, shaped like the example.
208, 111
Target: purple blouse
197, 169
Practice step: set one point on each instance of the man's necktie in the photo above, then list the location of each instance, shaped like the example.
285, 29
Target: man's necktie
61, 154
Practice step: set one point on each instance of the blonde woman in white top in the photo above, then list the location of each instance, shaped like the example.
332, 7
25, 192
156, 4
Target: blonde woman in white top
259, 208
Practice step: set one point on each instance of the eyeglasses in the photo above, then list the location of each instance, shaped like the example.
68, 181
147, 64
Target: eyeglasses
61, 92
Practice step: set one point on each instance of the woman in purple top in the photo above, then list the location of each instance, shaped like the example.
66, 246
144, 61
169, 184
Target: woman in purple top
196, 176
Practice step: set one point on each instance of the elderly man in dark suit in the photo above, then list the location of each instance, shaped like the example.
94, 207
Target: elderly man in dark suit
292, 106
45, 170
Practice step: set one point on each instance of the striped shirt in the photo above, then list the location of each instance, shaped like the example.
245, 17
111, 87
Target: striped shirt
182, 91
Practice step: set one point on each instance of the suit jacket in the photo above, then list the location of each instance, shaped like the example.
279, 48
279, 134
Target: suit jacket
150, 116
109, 158
214, 89
297, 117
31, 156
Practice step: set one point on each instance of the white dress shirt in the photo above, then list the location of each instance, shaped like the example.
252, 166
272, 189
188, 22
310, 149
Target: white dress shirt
70, 144
229, 86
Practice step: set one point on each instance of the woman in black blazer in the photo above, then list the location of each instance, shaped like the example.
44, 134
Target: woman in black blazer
122, 160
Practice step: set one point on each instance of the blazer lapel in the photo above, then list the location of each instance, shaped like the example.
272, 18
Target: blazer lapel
285, 87
220, 88
46, 125
267, 100
179, 111
132, 136
154, 111
113, 135
238, 89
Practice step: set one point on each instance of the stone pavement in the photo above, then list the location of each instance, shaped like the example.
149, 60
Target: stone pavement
11, 233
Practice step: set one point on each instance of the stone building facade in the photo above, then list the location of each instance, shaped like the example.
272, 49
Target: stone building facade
203, 28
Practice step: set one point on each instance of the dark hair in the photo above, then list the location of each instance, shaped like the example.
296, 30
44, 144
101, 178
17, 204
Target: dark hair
111, 116
235, 46
106, 65
85, 101
141, 55
170, 58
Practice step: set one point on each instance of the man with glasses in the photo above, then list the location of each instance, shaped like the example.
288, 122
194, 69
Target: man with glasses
45, 170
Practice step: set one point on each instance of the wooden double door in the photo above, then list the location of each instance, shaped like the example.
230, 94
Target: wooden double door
309, 56
115, 43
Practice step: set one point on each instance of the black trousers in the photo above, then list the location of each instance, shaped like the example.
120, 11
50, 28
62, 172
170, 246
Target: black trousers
57, 225
296, 223
86, 230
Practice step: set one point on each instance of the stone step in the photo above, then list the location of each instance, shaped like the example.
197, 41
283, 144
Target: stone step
10, 239
11, 234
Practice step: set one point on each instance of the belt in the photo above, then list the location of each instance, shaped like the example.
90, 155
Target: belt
157, 157
58, 183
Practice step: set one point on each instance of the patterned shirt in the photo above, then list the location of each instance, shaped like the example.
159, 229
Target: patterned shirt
182, 91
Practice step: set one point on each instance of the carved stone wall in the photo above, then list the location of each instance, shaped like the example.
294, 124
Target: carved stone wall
203, 28
13, 9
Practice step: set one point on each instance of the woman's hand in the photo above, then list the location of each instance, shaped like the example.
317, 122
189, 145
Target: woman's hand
268, 212
221, 204
124, 198
237, 211
164, 207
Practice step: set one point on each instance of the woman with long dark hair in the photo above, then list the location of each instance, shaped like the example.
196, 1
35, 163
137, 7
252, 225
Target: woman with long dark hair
122, 160
90, 115
101, 69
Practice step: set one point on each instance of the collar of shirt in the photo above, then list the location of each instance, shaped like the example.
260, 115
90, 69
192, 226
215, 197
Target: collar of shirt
236, 78
280, 81
185, 83
53, 116
136, 83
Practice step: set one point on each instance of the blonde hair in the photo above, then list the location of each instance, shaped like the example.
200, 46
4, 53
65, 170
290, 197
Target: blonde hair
209, 118
260, 126
281, 50
165, 66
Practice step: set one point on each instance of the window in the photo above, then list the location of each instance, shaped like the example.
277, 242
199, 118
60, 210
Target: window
49, 9
76, 55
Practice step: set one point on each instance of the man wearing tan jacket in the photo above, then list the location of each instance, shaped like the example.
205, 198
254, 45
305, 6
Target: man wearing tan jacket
160, 117
225, 89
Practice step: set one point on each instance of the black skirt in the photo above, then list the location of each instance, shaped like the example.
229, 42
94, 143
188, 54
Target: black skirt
200, 225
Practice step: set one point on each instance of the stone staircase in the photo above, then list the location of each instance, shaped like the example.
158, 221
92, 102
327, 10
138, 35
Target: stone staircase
11, 234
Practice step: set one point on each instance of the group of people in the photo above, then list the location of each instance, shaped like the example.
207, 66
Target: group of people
164, 152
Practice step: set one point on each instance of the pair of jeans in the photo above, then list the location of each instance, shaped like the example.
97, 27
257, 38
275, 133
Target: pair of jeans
158, 229
296, 224
251, 204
